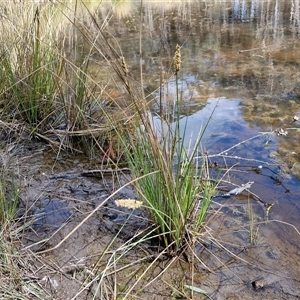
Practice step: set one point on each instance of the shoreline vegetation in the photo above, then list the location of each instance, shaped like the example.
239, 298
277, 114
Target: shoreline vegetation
66, 83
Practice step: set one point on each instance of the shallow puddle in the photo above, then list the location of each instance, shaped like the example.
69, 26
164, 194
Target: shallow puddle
50, 214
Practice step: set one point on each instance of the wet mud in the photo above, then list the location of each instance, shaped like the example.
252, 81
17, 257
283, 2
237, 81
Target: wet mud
246, 252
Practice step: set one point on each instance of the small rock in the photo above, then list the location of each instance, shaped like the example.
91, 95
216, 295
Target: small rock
258, 283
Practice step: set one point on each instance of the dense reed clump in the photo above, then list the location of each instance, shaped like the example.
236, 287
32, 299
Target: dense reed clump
175, 187
30, 65
176, 193
46, 83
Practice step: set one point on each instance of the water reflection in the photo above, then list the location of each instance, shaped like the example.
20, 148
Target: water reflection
239, 49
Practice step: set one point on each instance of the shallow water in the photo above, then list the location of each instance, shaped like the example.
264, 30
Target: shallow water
239, 57
241, 52
240, 71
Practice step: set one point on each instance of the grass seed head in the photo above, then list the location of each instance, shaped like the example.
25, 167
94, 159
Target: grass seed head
177, 60
124, 66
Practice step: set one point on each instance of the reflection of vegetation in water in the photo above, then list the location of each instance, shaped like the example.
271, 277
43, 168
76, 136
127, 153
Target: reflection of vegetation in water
222, 51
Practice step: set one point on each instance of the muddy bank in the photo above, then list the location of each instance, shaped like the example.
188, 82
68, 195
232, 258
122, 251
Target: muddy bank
241, 255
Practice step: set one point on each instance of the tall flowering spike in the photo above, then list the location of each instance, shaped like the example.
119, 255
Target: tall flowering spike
124, 66
177, 60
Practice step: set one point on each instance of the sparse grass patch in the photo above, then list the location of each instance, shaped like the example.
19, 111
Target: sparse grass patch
9, 195
17, 277
15, 270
